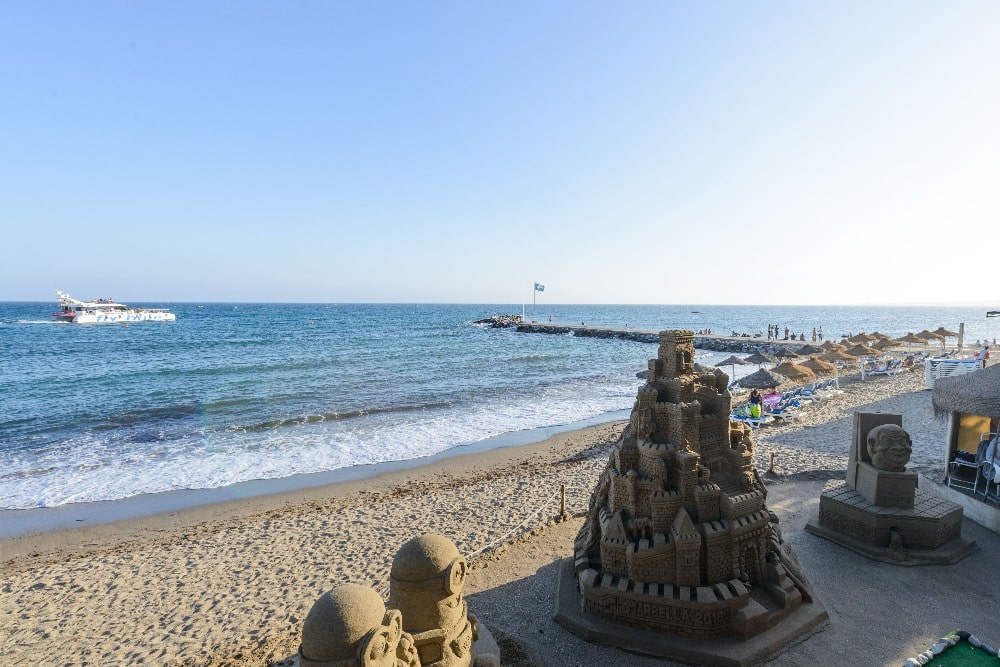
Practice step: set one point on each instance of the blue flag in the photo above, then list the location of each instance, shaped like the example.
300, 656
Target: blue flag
539, 288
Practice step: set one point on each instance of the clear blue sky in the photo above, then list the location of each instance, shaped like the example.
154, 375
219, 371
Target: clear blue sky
637, 152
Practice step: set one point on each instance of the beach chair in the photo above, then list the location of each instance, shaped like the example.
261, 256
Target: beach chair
787, 410
967, 473
990, 467
754, 422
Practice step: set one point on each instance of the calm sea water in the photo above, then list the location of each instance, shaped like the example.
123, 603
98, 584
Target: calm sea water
237, 392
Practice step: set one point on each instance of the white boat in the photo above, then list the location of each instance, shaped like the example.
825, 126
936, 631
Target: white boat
105, 311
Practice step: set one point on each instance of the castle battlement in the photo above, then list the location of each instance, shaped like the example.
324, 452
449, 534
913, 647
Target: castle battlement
679, 534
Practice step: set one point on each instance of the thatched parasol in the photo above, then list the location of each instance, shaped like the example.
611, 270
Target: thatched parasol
860, 338
830, 345
860, 350
941, 331
929, 335
819, 367
911, 338
976, 393
837, 355
794, 371
786, 353
878, 335
809, 349
759, 358
765, 379
885, 343
734, 361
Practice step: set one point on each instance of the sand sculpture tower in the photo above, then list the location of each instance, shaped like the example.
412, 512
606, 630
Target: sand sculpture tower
679, 555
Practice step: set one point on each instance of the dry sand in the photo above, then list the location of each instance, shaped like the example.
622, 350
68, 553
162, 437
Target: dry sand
230, 584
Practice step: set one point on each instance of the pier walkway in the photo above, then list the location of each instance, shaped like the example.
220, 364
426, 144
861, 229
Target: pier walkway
739, 344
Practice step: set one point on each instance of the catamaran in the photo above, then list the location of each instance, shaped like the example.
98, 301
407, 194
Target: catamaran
105, 311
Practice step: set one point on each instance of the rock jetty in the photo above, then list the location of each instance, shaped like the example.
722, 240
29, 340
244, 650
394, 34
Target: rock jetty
500, 321
715, 342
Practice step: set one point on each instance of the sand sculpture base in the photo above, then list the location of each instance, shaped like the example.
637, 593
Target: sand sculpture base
929, 532
485, 652
782, 627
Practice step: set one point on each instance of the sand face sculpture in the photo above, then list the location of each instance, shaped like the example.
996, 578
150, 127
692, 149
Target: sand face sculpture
889, 447
678, 539
878, 511
427, 624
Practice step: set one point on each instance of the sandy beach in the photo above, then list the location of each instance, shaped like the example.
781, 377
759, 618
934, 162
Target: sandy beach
230, 584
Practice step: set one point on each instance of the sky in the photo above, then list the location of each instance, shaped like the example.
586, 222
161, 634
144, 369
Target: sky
458, 152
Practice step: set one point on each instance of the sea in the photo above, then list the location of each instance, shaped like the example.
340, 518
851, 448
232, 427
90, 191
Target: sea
230, 393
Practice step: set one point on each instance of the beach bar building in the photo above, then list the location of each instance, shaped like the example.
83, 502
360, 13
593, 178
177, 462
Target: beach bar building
971, 404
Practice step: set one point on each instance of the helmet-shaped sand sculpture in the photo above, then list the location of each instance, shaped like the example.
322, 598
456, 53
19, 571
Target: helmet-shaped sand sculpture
425, 584
349, 626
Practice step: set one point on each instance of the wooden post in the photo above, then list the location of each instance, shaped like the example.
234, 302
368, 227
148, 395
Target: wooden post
562, 502
771, 469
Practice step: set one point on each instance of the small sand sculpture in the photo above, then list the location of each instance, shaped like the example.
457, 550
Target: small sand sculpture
349, 626
427, 624
878, 511
678, 539
425, 584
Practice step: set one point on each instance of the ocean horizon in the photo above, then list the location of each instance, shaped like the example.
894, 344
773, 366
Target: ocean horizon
236, 393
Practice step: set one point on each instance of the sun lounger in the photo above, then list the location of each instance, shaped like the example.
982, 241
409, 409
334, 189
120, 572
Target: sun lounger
754, 422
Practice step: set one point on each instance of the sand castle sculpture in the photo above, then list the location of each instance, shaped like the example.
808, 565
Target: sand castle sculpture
878, 511
427, 623
679, 555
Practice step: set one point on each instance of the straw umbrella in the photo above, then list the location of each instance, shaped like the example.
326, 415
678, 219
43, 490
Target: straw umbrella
910, 338
929, 335
734, 361
759, 358
830, 345
765, 379
860, 350
860, 338
794, 371
838, 357
947, 333
884, 344
819, 367
809, 349
786, 353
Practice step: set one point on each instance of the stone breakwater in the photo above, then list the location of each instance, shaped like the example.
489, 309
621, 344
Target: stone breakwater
717, 343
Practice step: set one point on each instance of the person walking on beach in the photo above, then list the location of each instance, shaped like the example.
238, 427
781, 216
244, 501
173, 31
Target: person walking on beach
983, 355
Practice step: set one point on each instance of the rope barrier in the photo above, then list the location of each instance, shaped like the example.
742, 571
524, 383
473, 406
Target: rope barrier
507, 535
561, 495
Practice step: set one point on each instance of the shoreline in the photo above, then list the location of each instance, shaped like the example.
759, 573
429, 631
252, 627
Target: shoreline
70, 516
229, 583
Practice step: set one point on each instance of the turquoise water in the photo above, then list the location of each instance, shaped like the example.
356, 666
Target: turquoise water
237, 392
